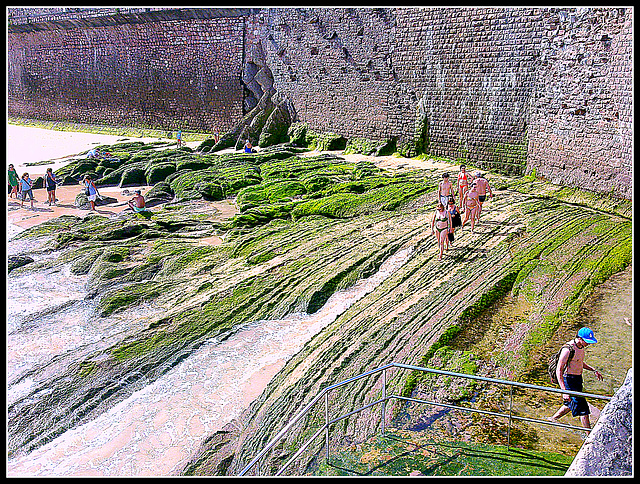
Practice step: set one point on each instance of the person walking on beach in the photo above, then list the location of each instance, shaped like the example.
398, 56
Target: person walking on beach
569, 375
26, 188
441, 223
444, 190
456, 220
464, 179
471, 205
14, 181
50, 184
483, 187
91, 191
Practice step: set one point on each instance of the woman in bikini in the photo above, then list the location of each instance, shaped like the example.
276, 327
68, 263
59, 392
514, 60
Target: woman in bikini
464, 179
471, 203
441, 222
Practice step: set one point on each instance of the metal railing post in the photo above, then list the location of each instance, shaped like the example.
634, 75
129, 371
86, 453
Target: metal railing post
510, 407
256, 461
384, 396
326, 423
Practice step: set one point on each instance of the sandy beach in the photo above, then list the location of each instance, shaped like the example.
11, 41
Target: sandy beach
27, 145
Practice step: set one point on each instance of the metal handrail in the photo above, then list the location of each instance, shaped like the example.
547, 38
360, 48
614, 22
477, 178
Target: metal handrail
385, 397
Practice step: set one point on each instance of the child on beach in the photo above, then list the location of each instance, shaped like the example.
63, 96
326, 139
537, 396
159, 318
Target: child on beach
463, 182
91, 191
456, 220
13, 181
26, 188
444, 190
50, 184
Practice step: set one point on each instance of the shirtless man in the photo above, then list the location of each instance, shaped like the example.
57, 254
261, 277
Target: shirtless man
444, 190
483, 186
137, 202
570, 378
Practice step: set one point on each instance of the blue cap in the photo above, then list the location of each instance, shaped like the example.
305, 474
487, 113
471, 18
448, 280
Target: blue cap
587, 335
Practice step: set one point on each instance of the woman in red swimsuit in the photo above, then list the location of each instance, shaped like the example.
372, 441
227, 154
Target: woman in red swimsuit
464, 179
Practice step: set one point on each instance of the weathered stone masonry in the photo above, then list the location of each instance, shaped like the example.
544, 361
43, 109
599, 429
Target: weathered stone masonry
512, 90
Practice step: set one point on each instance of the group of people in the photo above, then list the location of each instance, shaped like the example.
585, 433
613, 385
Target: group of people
22, 187
473, 191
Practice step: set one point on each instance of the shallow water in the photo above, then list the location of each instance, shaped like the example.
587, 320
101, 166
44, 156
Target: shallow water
48, 316
157, 429
493, 336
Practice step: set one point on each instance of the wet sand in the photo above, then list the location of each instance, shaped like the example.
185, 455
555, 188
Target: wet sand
20, 218
29, 145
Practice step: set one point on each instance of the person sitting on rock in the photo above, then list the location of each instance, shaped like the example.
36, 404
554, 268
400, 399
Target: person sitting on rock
137, 203
248, 147
94, 153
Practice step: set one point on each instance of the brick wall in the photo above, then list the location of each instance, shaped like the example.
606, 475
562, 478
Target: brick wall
581, 111
172, 74
507, 89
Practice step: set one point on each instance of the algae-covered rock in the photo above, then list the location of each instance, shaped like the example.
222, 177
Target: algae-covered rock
297, 133
82, 202
134, 176
15, 261
161, 192
159, 172
330, 142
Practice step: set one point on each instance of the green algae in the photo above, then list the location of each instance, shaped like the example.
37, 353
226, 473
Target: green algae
403, 453
280, 257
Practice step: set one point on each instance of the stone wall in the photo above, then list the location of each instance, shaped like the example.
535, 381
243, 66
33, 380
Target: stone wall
608, 450
580, 120
171, 74
513, 90
454, 82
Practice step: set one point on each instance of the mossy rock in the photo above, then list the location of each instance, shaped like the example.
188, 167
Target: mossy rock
297, 133
15, 261
116, 300
133, 176
317, 183
115, 254
68, 181
192, 164
83, 167
161, 192
360, 146
330, 142
82, 202
271, 192
209, 190
197, 184
158, 173
115, 162
276, 127
38, 183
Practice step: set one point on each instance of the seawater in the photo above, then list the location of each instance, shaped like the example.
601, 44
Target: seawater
49, 316
156, 430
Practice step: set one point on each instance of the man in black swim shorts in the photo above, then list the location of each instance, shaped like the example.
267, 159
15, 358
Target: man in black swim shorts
569, 374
